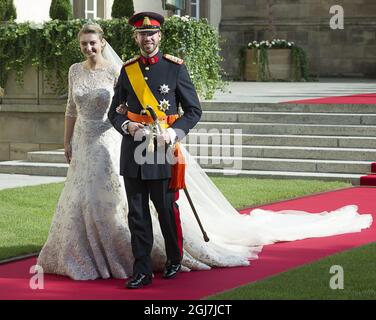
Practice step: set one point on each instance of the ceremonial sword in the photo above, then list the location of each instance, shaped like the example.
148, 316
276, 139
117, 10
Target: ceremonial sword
159, 131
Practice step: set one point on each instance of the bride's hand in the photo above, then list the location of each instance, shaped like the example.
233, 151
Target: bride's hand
68, 153
122, 109
133, 127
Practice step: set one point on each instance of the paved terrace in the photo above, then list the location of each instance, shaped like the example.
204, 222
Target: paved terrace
276, 92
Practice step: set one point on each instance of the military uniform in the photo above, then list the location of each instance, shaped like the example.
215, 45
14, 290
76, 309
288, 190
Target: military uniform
169, 81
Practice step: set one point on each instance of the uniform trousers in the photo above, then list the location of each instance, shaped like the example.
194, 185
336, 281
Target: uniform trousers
140, 224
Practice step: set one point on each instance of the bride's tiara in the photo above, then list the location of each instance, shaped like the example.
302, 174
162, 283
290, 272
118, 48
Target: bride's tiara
90, 22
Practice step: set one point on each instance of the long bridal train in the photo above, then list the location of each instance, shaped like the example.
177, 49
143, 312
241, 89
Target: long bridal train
237, 238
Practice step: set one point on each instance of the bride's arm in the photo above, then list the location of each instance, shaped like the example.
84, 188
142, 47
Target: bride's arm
68, 133
70, 119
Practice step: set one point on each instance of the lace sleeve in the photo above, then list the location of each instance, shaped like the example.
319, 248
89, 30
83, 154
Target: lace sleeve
71, 109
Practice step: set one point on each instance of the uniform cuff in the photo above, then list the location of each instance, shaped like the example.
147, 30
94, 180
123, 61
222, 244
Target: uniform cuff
124, 126
172, 134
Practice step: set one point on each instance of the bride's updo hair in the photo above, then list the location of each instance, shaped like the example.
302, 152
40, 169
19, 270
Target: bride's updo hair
91, 27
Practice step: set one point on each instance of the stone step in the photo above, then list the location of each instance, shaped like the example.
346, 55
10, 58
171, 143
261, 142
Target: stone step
53, 156
217, 137
246, 139
356, 154
289, 129
290, 117
248, 163
254, 151
34, 168
287, 107
291, 165
60, 170
351, 178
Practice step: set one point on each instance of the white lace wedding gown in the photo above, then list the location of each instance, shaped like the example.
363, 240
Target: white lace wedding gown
89, 236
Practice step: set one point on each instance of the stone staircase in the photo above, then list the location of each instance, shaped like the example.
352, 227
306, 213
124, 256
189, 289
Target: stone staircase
325, 142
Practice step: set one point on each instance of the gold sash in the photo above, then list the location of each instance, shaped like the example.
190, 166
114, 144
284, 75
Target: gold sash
141, 89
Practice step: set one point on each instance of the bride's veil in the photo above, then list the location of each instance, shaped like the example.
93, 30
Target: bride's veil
109, 54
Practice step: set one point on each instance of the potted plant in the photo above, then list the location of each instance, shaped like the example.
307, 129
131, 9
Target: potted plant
275, 60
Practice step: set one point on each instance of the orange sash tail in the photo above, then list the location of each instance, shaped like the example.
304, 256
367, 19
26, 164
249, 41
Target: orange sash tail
177, 181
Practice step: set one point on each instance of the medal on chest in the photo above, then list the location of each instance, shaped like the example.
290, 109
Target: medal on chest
164, 89
164, 105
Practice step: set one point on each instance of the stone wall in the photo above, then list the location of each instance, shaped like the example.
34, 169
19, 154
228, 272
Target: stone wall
350, 52
31, 116
33, 90
27, 128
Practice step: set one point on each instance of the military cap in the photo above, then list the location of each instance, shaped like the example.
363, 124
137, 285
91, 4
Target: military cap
146, 21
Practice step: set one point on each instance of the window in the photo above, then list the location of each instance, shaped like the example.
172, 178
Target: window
195, 9
90, 9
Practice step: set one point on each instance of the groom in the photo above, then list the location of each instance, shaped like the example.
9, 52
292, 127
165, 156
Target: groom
162, 82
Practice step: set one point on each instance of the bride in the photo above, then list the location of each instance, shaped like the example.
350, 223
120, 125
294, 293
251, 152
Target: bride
89, 236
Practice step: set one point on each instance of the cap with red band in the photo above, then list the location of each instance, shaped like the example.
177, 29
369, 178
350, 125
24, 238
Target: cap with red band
146, 21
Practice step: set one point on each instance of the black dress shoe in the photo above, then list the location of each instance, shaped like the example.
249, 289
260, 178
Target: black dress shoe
171, 271
139, 280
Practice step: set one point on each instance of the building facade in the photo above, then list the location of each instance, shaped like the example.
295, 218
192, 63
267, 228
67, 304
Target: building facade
209, 9
38, 10
347, 52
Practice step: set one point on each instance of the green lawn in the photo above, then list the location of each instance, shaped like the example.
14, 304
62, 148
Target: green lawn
25, 217
246, 192
25, 213
312, 281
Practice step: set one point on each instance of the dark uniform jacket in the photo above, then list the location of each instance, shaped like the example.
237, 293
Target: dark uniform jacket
168, 71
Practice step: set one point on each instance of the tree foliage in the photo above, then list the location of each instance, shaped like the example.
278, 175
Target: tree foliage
61, 9
7, 10
53, 47
122, 9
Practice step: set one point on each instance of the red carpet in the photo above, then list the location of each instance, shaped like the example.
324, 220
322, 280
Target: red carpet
367, 98
369, 180
276, 258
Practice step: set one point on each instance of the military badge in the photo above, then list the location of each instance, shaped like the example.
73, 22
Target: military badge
164, 105
164, 89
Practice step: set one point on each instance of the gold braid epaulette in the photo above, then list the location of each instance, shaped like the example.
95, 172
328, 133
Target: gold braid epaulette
173, 59
130, 61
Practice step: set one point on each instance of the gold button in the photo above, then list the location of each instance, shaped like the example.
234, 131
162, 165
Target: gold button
147, 68
146, 78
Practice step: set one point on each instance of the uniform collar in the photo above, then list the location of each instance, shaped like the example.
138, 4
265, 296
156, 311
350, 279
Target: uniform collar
151, 60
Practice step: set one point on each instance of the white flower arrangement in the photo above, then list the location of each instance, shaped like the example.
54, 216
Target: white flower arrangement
185, 18
273, 44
